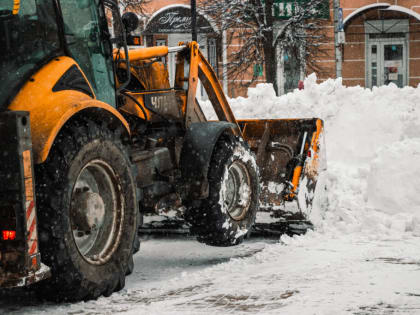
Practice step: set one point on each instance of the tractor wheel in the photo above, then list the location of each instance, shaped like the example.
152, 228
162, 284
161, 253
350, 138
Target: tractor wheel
136, 245
227, 215
88, 213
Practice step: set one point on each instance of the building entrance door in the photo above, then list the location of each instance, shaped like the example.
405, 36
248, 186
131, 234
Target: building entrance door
387, 62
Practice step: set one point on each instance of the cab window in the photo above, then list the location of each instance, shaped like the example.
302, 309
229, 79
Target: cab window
85, 38
28, 39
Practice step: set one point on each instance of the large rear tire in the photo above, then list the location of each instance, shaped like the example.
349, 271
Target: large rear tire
88, 213
227, 215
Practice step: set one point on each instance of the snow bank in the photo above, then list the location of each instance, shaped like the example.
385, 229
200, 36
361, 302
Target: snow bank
373, 150
394, 178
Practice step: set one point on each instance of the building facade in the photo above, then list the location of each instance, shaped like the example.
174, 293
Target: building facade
379, 43
382, 42
169, 23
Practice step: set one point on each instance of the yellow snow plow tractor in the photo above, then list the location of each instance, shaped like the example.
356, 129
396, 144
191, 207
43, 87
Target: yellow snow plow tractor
93, 135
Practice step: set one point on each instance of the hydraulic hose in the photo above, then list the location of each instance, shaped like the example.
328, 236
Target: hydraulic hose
147, 107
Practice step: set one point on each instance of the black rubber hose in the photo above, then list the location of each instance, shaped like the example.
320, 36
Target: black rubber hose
139, 105
147, 107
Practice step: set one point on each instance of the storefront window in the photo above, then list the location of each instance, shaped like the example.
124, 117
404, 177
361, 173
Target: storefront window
161, 42
393, 61
212, 53
292, 69
374, 65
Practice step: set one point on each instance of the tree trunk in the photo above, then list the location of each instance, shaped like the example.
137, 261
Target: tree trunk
270, 65
269, 51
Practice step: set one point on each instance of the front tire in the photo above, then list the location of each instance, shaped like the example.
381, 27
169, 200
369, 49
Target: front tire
87, 213
227, 215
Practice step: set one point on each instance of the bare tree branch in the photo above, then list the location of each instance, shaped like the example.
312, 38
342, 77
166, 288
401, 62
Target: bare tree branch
137, 6
253, 37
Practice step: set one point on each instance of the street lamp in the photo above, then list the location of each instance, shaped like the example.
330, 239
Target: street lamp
193, 21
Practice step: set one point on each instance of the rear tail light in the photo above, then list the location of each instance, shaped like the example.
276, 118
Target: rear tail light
9, 235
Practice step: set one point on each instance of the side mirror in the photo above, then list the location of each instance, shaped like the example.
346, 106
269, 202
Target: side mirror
130, 21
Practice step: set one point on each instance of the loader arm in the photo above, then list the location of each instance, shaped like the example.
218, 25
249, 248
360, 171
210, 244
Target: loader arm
201, 68
287, 150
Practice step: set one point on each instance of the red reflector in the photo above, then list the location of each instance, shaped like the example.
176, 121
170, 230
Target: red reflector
9, 235
309, 153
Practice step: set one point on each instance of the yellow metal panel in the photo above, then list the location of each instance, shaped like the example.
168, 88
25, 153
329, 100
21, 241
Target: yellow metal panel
16, 6
201, 69
132, 108
50, 110
312, 168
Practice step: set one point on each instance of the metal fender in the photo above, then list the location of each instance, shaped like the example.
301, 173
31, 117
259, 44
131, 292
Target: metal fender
50, 109
196, 153
44, 130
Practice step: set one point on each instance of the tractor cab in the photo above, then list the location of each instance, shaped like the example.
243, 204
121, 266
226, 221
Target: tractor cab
29, 37
32, 33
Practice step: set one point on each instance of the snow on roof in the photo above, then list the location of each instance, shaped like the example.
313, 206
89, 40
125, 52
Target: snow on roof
378, 5
403, 10
361, 9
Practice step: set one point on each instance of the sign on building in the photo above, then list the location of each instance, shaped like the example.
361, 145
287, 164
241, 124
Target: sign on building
284, 9
176, 20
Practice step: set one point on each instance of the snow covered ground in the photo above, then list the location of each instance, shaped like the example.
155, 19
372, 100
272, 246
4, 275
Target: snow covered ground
314, 274
363, 257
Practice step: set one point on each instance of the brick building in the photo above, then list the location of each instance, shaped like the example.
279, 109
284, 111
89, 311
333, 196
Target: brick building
381, 43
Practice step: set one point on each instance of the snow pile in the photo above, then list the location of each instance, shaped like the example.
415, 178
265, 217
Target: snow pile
394, 178
373, 150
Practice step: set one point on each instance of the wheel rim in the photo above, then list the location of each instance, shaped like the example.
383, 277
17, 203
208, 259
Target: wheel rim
97, 212
238, 192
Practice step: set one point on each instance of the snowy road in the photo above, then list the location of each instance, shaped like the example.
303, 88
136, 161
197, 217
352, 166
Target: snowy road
364, 258
313, 274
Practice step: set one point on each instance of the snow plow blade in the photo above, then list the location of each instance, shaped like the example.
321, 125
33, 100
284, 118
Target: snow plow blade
290, 155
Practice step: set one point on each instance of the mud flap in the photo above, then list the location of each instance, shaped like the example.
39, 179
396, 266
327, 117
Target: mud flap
196, 154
